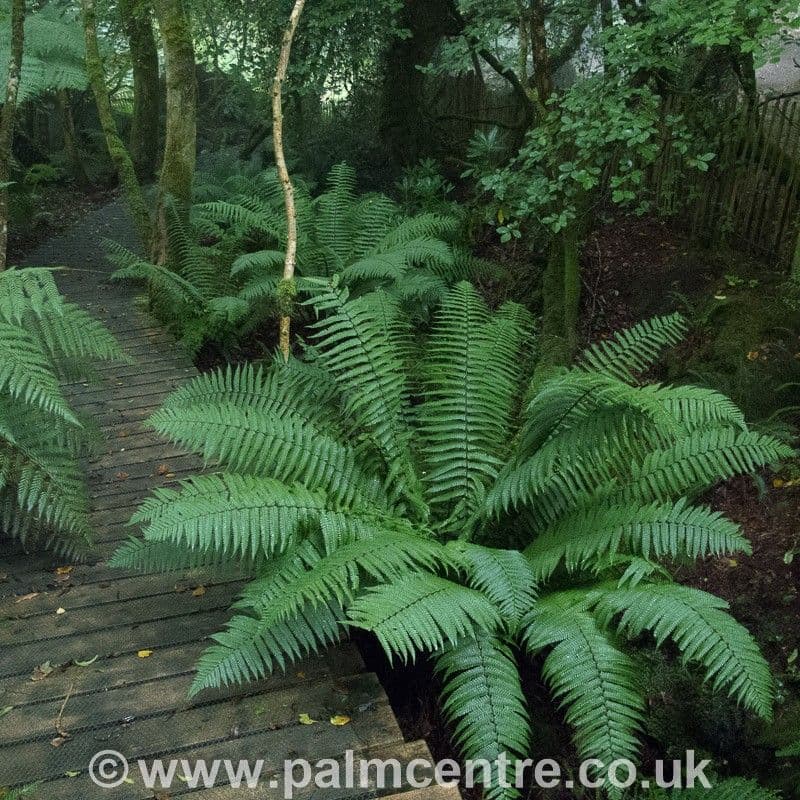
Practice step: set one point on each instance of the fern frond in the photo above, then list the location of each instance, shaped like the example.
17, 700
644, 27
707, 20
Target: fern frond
698, 461
596, 682
422, 613
29, 290
237, 515
470, 383
252, 647
506, 577
634, 350
354, 346
483, 702
26, 372
705, 634
658, 530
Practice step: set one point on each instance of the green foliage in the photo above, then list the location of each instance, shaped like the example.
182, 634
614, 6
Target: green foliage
365, 239
53, 57
218, 287
192, 293
392, 483
43, 340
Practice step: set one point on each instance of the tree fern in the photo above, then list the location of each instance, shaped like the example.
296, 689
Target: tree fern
398, 483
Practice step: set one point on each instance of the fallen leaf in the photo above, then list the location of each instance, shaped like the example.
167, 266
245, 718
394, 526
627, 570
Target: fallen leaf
720, 297
58, 741
732, 562
752, 355
61, 610
778, 483
86, 663
72, 773
26, 597
122, 476
301, 675
63, 570
199, 591
144, 653
339, 720
42, 671
163, 469
305, 719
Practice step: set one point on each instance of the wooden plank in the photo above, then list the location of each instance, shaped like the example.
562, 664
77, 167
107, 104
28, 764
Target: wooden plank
115, 672
374, 726
137, 611
31, 725
79, 596
165, 631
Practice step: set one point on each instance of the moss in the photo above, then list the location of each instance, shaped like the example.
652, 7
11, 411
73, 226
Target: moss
286, 294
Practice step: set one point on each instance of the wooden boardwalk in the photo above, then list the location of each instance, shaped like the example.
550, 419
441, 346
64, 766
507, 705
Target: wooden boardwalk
72, 677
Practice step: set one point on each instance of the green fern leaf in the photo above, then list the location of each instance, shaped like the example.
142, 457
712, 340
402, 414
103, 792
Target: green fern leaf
484, 704
696, 622
422, 612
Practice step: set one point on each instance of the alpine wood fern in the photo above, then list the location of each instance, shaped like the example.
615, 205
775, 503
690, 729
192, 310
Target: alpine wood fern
401, 486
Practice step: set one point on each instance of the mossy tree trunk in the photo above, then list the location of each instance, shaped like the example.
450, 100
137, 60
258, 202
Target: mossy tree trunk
286, 291
116, 147
71, 145
180, 142
561, 294
7, 116
145, 122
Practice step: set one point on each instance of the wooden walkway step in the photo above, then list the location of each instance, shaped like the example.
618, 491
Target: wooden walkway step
93, 658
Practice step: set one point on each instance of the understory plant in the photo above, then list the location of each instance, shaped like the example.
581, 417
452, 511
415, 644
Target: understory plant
421, 488
44, 340
224, 275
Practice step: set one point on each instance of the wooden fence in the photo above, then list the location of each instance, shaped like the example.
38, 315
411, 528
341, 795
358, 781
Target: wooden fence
750, 196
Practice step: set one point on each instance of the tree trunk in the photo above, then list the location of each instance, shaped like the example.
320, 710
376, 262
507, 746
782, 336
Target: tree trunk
561, 294
145, 122
71, 146
542, 73
405, 128
7, 118
116, 148
286, 290
180, 143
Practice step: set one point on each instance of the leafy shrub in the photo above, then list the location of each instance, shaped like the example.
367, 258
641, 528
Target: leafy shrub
396, 486
43, 338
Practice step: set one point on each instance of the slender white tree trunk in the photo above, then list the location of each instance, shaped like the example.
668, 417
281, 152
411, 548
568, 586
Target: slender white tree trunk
287, 289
